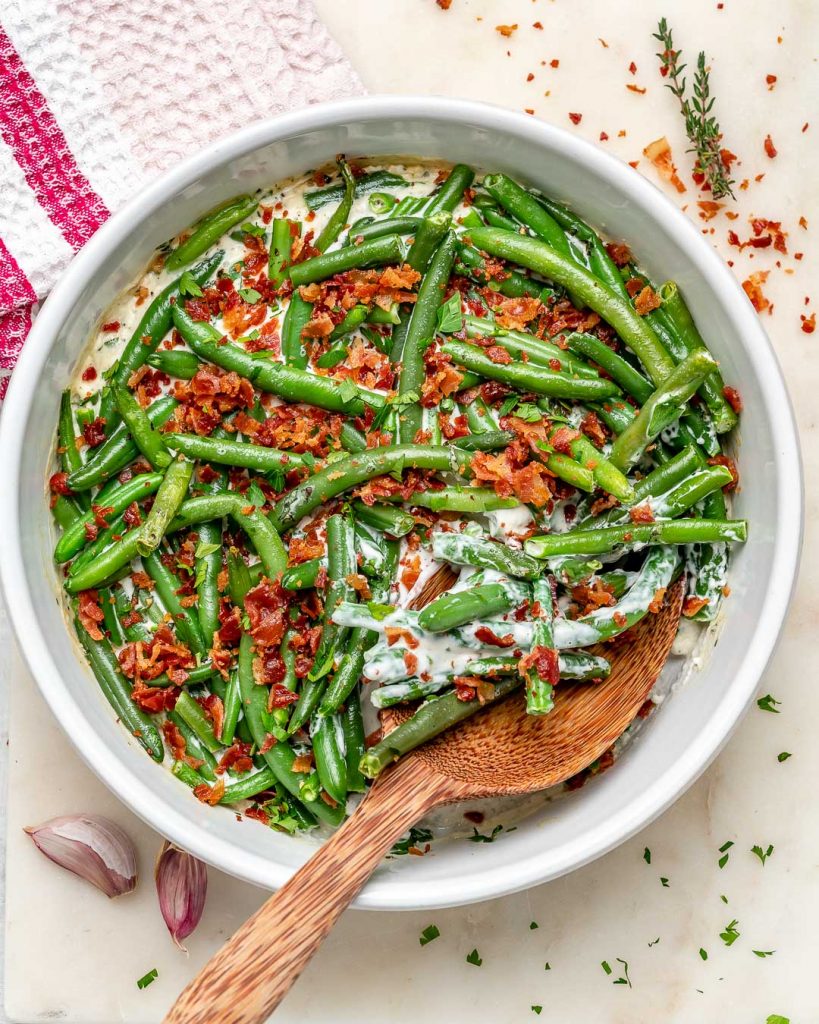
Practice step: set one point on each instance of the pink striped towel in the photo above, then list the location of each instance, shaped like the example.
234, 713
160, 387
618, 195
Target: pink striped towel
97, 96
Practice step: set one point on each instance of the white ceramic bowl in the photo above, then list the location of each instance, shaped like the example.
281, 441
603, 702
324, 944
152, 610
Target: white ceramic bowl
680, 740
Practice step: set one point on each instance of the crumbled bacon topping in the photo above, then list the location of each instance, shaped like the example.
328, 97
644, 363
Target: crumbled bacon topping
164, 654
545, 663
90, 613
659, 154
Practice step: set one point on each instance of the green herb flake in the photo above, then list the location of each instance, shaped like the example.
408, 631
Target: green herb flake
254, 495
450, 317
537, 1010
528, 412
474, 959
547, 966
703, 954
730, 935
624, 978
379, 611
654, 943
249, 295
663, 882
777, 1018
647, 855
725, 855
783, 756
253, 229
606, 966
146, 979
476, 836
188, 285
762, 854
724, 898
533, 925
430, 933
415, 838
762, 953
203, 549
508, 405
768, 703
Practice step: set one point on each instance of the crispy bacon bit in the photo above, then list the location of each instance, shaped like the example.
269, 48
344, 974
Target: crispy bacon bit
575, 118
659, 154
210, 794
641, 514
646, 301
411, 570
498, 355
732, 397
725, 460
111, 326
131, 515
516, 312
320, 326
209, 394
562, 439
619, 619
657, 601
280, 697
164, 654
765, 233
304, 763
360, 585
89, 373
808, 323
265, 607
544, 661
507, 473
753, 289
465, 688
441, 378
90, 613
94, 433
692, 605
620, 254
175, 740
770, 148
396, 633
489, 637
214, 708
411, 662
154, 699
594, 430
592, 595
58, 484
236, 757
506, 30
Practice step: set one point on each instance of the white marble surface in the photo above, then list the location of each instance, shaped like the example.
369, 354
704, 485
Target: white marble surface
71, 955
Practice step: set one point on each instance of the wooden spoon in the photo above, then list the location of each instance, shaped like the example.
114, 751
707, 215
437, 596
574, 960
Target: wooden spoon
500, 751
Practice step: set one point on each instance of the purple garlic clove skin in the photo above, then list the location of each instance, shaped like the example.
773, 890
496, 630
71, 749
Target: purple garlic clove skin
181, 885
91, 846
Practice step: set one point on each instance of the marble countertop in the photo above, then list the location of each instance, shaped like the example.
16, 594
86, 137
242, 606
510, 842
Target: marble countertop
74, 956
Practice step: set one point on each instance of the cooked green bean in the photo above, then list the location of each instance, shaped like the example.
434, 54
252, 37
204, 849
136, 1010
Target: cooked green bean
210, 229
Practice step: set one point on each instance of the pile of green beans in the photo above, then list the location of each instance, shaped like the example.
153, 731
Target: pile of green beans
292, 442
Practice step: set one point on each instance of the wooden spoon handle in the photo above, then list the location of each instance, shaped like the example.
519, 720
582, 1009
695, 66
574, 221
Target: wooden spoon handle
251, 974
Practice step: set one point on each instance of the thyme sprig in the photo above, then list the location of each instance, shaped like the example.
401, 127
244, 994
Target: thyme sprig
701, 126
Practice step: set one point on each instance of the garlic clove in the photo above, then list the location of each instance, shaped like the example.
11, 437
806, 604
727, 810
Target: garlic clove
181, 885
91, 846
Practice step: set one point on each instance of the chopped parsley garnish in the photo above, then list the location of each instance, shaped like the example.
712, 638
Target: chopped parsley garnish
762, 854
730, 935
450, 317
724, 851
703, 954
347, 391
249, 295
429, 933
624, 978
547, 966
379, 611
762, 953
146, 979
768, 703
606, 966
777, 1018
508, 405
724, 898
537, 1010
663, 882
416, 837
533, 925
783, 756
528, 412
654, 943
253, 229
188, 285
473, 958
476, 836
647, 855
203, 549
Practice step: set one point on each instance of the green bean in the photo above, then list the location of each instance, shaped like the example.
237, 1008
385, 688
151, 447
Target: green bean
112, 624
544, 673
428, 237
249, 786
195, 748
280, 247
536, 256
630, 537
66, 511
295, 320
302, 576
518, 343
332, 229
70, 460
280, 756
465, 549
527, 376
286, 381
376, 228
325, 735
452, 190
419, 334
619, 369
665, 405
156, 321
386, 518
117, 451
606, 475
197, 721
175, 362
364, 184
712, 388
429, 721
229, 452
232, 705
461, 499
481, 418
565, 468
471, 263
185, 619
117, 692
149, 441
353, 319
263, 537
356, 469
381, 202
352, 725
210, 229
453, 609
208, 567
201, 674
117, 500
169, 497
187, 774
375, 252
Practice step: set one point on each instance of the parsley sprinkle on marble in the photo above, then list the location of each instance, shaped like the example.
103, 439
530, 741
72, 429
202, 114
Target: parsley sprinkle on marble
429, 933
473, 958
146, 979
762, 854
768, 703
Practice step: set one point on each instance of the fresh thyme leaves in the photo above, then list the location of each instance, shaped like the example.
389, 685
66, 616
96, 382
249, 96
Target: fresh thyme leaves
701, 126
762, 953
703, 954
188, 285
783, 756
647, 855
762, 854
474, 959
768, 703
429, 933
730, 935
416, 837
723, 850
146, 979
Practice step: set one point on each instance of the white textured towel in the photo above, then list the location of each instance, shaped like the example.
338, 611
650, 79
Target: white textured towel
97, 96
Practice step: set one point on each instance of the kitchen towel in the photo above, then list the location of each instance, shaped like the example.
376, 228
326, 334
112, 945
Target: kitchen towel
98, 96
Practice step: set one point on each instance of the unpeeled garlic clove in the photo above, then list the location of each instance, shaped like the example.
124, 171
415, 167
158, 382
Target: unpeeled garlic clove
91, 846
181, 885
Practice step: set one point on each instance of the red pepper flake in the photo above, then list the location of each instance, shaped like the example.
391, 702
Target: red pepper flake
506, 30
771, 80
641, 89
659, 153
753, 289
770, 148
444, 4
89, 373
803, 223
808, 323
538, 25
805, 127
94, 433
554, 63
529, 110
575, 118
604, 136
530, 77
603, 43
111, 326
709, 208
632, 68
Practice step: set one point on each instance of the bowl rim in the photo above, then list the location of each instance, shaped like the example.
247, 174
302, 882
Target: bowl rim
390, 892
